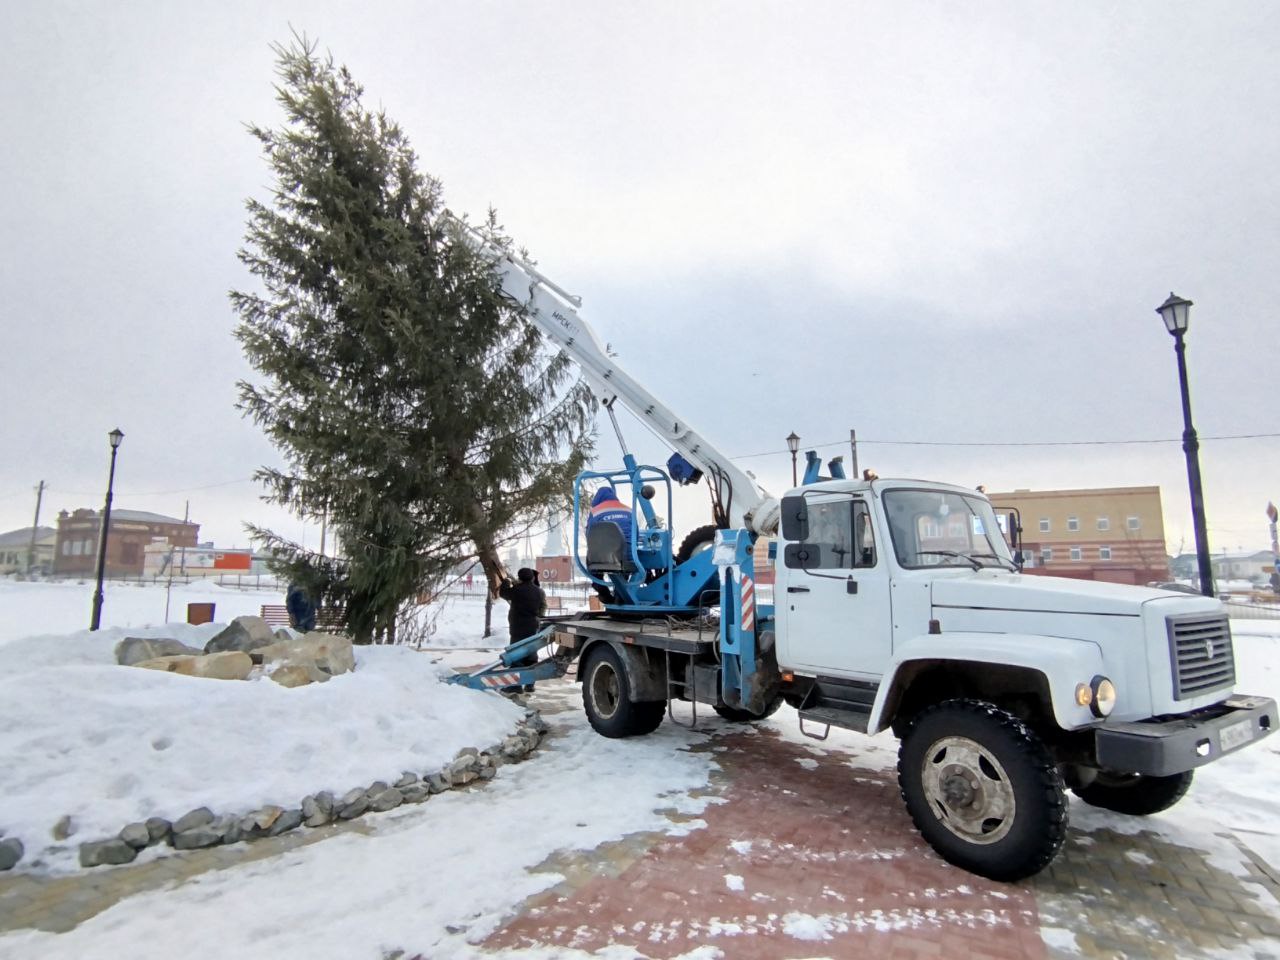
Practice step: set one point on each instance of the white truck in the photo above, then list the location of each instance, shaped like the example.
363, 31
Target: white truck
898, 605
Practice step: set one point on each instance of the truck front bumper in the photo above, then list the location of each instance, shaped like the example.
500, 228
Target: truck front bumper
1160, 748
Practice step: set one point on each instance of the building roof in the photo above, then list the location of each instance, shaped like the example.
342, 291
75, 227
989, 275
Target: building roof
138, 516
1076, 492
22, 538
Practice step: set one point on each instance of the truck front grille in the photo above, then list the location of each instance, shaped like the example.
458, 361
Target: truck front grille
1201, 654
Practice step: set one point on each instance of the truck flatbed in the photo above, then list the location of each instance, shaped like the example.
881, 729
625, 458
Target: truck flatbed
658, 634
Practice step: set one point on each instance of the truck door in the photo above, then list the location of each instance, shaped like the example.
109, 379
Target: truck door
833, 603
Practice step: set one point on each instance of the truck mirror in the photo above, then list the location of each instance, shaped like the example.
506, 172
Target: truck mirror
795, 519
802, 556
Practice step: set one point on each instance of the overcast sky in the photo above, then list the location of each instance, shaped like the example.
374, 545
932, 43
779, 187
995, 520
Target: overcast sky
931, 222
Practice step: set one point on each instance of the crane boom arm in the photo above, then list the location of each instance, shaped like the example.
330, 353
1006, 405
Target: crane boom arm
555, 312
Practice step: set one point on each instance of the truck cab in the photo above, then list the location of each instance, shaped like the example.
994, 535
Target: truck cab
898, 604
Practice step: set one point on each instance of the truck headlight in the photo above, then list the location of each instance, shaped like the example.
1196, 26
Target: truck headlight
1099, 695
1104, 696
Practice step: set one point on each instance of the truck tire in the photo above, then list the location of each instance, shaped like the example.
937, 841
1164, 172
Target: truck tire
735, 715
982, 789
607, 698
698, 538
1134, 793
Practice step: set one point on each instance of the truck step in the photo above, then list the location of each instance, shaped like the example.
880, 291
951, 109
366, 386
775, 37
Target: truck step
835, 717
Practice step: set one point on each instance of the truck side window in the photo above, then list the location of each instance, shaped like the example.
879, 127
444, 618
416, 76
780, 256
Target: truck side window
841, 535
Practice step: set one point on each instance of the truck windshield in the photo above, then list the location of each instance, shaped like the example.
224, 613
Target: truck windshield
939, 528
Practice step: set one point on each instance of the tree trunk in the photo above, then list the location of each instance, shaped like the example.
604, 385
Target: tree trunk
488, 615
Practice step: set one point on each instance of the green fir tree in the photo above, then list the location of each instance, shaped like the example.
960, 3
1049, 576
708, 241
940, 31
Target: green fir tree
408, 398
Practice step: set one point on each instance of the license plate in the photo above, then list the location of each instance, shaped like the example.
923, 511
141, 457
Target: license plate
1235, 734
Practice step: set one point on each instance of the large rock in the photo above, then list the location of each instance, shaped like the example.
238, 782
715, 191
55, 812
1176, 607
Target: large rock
207, 836
199, 817
415, 792
288, 820
318, 810
136, 835
353, 803
324, 655
297, 675
231, 665
133, 650
113, 851
242, 634
463, 770
385, 800
11, 851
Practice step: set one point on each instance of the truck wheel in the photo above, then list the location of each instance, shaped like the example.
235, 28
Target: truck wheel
982, 789
735, 715
699, 538
1134, 793
608, 702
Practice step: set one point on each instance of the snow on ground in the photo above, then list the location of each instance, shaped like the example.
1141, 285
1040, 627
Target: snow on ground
431, 879
109, 745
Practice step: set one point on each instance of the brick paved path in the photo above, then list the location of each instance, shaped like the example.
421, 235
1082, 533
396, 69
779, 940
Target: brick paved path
810, 856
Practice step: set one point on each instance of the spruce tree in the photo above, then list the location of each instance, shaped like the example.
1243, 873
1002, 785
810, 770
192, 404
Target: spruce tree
406, 395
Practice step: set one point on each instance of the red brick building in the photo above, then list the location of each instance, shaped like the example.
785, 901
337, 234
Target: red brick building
76, 548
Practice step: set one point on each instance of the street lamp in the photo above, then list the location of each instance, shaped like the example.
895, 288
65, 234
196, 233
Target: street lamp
793, 444
1175, 312
115, 436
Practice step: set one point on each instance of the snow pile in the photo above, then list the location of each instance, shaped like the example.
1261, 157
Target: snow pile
108, 745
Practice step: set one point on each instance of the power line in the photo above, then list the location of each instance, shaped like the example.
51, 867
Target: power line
1010, 443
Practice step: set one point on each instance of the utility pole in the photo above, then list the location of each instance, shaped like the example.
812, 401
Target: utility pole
854, 472
186, 517
35, 525
324, 523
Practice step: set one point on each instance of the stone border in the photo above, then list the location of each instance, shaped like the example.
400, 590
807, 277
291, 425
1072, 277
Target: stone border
203, 828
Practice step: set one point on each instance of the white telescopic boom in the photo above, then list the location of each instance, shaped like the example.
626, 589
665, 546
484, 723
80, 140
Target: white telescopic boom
555, 312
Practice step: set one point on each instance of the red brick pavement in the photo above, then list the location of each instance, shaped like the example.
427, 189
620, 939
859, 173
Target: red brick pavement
800, 860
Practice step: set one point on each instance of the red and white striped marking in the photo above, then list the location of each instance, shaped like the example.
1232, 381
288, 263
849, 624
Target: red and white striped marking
748, 619
503, 680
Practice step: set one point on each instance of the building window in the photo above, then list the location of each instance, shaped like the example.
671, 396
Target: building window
1104, 553
1075, 553
1133, 523
1044, 524
1073, 524
1046, 554
1104, 523
66, 548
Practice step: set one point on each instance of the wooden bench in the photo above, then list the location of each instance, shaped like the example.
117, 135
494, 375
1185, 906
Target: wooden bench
555, 604
277, 615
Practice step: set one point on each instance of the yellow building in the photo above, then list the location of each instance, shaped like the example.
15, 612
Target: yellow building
1112, 533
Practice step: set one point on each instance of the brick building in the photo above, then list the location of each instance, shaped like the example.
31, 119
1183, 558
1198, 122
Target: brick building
1114, 534
76, 550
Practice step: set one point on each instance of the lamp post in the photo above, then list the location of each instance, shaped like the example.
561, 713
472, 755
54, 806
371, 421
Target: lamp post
115, 436
1175, 313
793, 444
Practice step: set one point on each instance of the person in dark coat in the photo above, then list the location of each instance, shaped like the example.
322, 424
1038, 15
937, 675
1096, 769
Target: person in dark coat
527, 605
302, 612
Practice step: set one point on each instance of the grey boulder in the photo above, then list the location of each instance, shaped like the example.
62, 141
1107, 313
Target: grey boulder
100, 852
136, 835
11, 851
387, 799
133, 650
243, 634
198, 817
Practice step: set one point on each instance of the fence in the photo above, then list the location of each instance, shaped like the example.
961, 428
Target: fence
240, 581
